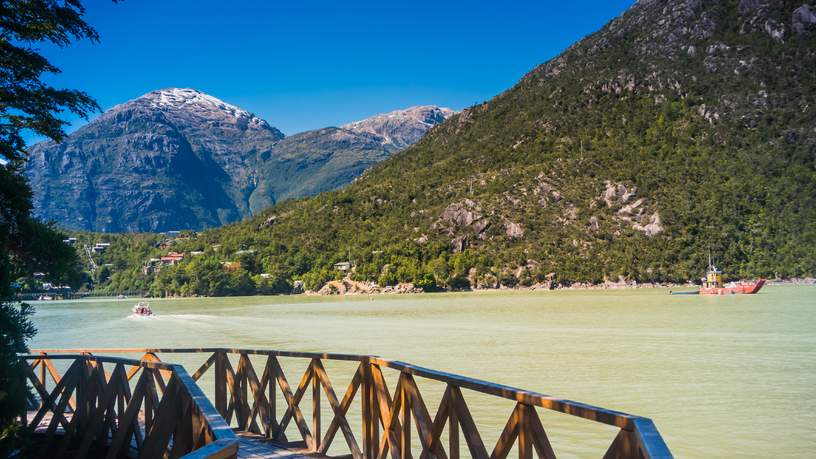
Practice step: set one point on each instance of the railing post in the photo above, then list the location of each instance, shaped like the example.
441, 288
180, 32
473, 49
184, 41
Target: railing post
624, 446
315, 407
242, 414
525, 444
42, 379
453, 430
221, 383
375, 419
27, 405
365, 401
83, 393
272, 422
405, 415
369, 402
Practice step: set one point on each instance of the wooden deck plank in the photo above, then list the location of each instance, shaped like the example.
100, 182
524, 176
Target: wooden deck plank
250, 445
253, 446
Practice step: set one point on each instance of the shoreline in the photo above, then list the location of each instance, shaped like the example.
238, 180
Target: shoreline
347, 287
393, 291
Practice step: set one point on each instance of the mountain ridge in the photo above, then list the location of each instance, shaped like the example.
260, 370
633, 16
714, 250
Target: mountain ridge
178, 158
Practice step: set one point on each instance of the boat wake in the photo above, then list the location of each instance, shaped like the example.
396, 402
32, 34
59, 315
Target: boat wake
188, 316
135, 316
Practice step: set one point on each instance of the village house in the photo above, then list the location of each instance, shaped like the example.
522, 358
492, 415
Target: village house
172, 259
151, 266
343, 266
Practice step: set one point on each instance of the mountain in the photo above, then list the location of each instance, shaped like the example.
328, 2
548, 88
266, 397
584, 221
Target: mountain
181, 159
402, 128
311, 162
681, 126
174, 158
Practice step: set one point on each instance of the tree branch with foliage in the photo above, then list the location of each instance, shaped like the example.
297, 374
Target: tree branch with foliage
28, 104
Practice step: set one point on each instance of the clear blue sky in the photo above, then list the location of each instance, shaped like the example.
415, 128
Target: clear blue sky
308, 64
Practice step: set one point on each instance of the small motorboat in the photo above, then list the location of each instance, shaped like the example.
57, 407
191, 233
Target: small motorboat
45, 298
142, 309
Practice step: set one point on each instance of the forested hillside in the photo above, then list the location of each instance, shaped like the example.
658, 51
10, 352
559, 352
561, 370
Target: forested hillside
680, 126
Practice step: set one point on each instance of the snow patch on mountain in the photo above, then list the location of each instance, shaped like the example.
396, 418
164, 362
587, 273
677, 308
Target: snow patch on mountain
402, 128
194, 102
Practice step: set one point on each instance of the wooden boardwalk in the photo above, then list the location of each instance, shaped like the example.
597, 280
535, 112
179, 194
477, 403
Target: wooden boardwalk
150, 408
254, 446
250, 445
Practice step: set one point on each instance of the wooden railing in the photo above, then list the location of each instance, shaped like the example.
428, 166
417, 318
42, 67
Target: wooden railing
92, 411
389, 420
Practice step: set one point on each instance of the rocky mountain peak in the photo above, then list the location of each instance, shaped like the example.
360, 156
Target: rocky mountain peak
187, 103
402, 127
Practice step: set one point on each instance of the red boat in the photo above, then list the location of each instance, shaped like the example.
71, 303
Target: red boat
713, 283
747, 288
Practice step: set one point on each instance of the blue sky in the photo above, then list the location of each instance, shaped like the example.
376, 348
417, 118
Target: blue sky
308, 64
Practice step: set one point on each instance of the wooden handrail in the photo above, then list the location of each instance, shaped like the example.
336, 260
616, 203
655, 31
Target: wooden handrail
240, 393
97, 409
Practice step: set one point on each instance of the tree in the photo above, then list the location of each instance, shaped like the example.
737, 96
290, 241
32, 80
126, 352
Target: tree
26, 245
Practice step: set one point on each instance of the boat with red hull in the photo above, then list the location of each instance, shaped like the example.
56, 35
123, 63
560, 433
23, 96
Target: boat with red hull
746, 288
713, 284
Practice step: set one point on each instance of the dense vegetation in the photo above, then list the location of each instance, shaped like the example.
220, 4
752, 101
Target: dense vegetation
679, 127
26, 245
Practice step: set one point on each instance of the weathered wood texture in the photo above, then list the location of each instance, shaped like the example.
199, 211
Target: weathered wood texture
115, 407
390, 420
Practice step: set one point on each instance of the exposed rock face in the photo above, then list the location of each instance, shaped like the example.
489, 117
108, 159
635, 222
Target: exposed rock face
617, 193
748, 6
803, 19
513, 230
350, 287
653, 228
618, 197
402, 128
461, 214
175, 158
179, 158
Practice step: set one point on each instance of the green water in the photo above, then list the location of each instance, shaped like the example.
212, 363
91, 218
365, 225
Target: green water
720, 376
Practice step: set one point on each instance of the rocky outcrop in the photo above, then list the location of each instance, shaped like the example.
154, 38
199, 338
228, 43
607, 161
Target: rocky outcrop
803, 19
466, 214
653, 227
618, 197
350, 287
513, 230
617, 193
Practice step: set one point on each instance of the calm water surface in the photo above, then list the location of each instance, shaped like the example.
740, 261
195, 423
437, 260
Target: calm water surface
721, 376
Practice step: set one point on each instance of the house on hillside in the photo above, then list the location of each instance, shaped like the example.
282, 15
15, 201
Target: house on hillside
343, 266
101, 247
151, 266
172, 259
